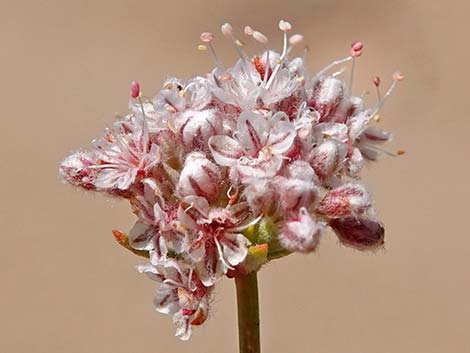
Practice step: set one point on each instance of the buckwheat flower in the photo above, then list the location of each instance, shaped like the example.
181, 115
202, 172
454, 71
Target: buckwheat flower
180, 293
246, 163
258, 145
359, 233
345, 200
327, 158
301, 233
124, 154
77, 170
200, 177
216, 241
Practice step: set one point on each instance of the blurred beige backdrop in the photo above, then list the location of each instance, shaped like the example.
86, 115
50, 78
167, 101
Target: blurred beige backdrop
67, 287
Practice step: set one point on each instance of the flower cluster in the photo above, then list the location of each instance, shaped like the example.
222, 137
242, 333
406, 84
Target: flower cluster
228, 171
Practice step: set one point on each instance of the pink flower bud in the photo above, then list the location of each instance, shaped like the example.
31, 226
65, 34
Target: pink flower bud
206, 37
301, 233
328, 94
76, 169
135, 89
328, 158
196, 127
345, 200
359, 233
199, 177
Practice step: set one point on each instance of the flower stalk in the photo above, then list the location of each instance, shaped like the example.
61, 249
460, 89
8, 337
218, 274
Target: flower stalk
248, 313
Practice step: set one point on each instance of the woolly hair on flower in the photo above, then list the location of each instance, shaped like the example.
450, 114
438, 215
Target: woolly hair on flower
228, 171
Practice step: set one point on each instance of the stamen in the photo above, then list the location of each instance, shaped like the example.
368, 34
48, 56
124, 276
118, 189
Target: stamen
188, 208
136, 93
356, 51
329, 66
227, 31
377, 84
207, 37
294, 40
135, 89
401, 152
397, 76
248, 30
263, 40
260, 38
339, 72
284, 26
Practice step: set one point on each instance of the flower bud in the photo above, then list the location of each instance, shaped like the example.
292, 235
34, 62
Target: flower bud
199, 177
298, 189
300, 233
76, 169
346, 200
354, 163
359, 233
195, 128
328, 94
327, 158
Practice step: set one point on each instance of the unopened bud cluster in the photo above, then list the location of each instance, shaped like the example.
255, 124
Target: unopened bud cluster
245, 164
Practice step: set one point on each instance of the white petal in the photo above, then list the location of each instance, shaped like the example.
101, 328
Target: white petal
225, 150
141, 236
282, 134
265, 166
166, 299
253, 132
234, 247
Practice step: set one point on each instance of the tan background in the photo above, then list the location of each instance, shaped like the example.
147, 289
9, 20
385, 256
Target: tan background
66, 287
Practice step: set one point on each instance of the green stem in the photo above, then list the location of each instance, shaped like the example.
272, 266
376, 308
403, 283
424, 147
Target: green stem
248, 313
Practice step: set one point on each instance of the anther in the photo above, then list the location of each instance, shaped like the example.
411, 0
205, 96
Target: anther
260, 38
206, 37
248, 31
227, 30
398, 76
135, 89
284, 26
